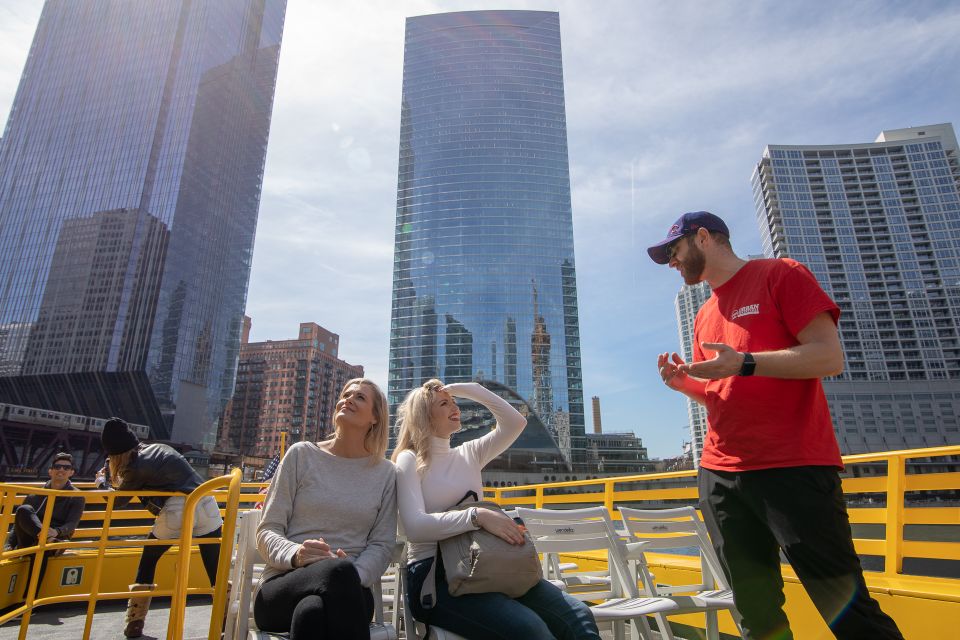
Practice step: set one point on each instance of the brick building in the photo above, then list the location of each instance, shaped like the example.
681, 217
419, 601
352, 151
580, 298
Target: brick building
284, 385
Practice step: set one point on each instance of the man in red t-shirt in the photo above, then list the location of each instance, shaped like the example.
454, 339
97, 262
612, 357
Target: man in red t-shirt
768, 477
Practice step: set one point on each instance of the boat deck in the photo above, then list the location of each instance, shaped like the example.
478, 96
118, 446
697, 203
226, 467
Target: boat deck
903, 507
66, 621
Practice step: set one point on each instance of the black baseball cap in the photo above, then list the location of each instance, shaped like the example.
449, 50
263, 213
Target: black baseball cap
685, 225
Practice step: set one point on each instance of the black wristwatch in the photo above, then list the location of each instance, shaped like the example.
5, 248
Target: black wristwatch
748, 366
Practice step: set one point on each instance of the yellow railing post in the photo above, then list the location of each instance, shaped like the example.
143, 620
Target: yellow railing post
226, 552
896, 482
33, 579
109, 496
608, 495
6, 510
178, 600
538, 497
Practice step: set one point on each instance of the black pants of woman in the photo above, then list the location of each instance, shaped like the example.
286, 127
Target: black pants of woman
209, 553
321, 601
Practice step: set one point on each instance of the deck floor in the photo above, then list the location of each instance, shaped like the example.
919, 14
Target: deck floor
65, 622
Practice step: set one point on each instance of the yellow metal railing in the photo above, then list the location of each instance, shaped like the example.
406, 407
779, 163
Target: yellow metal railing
179, 601
893, 486
884, 475
99, 541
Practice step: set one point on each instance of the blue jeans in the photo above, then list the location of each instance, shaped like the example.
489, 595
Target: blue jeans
542, 613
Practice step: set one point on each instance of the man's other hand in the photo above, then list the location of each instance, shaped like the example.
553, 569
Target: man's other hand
726, 363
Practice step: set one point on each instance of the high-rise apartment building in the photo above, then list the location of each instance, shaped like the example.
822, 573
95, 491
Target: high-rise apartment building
130, 175
484, 284
876, 223
285, 385
687, 303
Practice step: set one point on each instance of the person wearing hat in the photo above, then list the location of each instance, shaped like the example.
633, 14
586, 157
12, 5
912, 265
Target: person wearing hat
768, 478
28, 518
133, 466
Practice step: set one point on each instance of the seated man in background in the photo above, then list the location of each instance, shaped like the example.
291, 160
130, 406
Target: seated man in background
28, 519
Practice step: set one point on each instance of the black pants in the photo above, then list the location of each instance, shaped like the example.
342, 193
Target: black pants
26, 533
752, 515
209, 553
321, 601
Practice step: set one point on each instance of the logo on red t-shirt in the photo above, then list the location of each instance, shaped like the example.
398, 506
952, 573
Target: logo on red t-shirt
748, 310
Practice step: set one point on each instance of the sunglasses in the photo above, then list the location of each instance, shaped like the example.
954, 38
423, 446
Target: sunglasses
62, 467
672, 247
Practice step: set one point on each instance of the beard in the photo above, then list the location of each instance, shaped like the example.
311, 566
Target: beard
692, 266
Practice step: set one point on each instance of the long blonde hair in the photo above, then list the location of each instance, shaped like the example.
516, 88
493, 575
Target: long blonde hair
413, 420
119, 463
375, 442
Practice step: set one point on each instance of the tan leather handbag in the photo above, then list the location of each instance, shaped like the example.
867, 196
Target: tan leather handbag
481, 562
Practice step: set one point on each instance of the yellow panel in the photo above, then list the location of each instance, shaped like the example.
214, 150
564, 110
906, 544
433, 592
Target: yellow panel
932, 481
918, 611
865, 485
71, 572
937, 550
870, 547
867, 516
586, 498
939, 515
679, 493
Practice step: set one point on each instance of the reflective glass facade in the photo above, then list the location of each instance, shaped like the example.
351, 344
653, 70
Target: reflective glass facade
130, 175
484, 284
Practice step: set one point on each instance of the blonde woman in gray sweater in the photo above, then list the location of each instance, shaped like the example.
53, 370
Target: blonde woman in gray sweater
329, 525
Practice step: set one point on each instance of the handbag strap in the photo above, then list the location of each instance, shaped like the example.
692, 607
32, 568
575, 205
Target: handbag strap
428, 591
468, 494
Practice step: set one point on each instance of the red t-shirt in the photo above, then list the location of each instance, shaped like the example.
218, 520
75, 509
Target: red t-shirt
757, 422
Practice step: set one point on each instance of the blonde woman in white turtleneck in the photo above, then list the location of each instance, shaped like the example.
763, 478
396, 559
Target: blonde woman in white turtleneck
432, 478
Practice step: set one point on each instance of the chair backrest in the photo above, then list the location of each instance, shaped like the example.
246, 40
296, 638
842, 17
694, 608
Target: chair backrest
556, 531
680, 529
242, 576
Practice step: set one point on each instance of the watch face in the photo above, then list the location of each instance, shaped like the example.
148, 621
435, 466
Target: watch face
749, 364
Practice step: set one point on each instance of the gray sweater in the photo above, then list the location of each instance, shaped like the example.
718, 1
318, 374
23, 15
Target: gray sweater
348, 502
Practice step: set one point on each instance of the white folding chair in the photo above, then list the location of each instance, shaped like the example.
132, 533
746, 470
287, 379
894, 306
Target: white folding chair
246, 571
679, 529
617, 598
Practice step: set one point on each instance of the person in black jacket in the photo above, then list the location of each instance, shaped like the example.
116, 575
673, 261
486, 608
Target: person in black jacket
134, 466
28, 518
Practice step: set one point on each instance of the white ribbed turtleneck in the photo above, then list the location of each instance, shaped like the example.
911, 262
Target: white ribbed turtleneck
452, 473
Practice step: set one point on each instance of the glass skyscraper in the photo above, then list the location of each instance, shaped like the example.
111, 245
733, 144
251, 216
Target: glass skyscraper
484, 284
877, 225
130, 176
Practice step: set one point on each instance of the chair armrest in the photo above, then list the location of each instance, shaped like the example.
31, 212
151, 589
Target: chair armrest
634, 550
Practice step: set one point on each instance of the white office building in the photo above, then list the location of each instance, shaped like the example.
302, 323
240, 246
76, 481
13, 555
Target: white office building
877, 224
688, 302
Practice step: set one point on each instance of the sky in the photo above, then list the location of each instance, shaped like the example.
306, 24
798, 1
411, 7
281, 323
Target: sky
669, 108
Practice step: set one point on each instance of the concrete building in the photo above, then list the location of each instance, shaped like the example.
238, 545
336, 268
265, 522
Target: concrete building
284, 385
618, 453
877, 223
